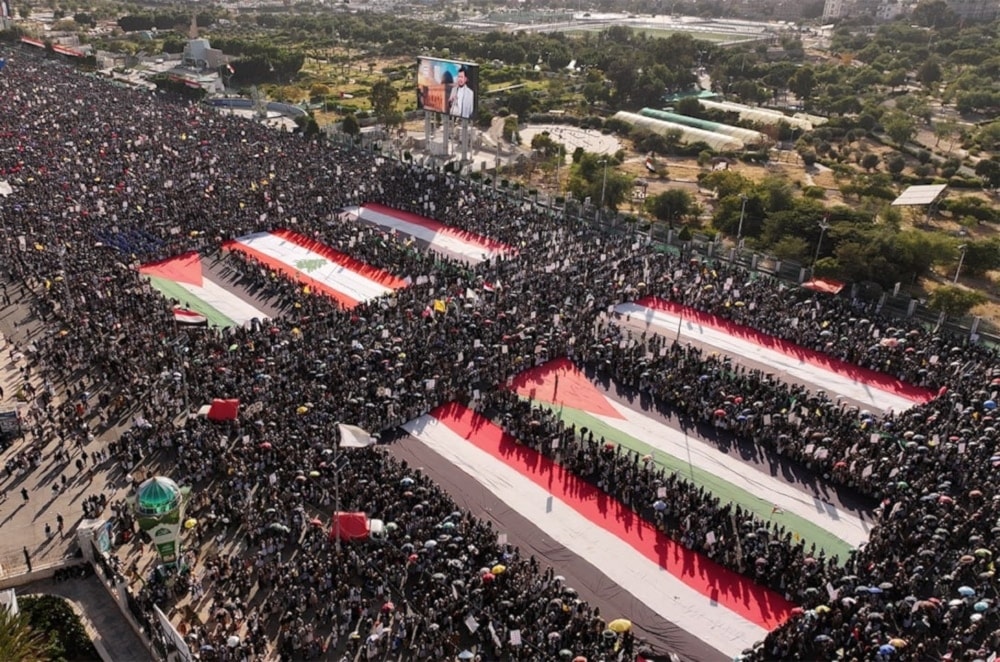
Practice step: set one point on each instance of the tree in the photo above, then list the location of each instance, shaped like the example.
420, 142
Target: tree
954, 301
803, 83
588, 181
934, 14
945, 129
384, 98
981, 256
350, 125
67, 638
869, 161
895, 164
989, 171
520, 103
20, 641
672, 205
899, 127
929, 72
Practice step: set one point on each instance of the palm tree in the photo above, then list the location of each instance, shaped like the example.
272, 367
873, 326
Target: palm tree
19, 641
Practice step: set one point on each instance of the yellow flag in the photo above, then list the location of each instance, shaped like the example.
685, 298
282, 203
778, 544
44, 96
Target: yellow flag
440, 306
48, 283
306, 290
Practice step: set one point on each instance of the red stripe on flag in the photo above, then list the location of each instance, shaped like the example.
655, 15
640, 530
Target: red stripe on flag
431, 224
867, 376
739, 594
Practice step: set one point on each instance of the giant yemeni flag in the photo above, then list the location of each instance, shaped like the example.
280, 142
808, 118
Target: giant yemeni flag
443, 239
317, 266
185, 279
863, 385
727, 611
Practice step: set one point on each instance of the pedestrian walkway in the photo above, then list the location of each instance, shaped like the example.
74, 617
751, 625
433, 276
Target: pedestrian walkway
113, 637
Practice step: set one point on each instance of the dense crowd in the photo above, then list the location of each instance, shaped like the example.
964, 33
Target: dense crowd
105, 178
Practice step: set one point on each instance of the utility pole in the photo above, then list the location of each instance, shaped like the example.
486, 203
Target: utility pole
961, 258
823, 227
739, 229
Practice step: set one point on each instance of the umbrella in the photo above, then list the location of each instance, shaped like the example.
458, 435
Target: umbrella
430, 544
886, 649
387, 607
620, 625
822, 639
822, 609
966, 591
266, 445
982, 605
982, 553
233, 641
279, 527
498, 569
466, 655
439, 576
565, 653
190, 523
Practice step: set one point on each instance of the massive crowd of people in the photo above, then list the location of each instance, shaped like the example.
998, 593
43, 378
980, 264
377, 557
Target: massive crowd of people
106, 178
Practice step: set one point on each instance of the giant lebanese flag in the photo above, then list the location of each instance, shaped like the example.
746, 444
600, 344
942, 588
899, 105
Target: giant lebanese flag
838, 377
722, 608
184, 278
317, 266
465, 246
578, 401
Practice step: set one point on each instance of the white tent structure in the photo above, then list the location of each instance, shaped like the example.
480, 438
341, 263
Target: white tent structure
762, 115
689, 134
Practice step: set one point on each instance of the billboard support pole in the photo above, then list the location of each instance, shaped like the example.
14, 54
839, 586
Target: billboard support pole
465, 139
446, 135
428, 130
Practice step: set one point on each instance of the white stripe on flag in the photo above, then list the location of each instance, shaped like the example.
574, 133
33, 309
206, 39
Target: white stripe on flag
711, 622
331, 274
224, 301
443, 241
833, 382
772, 490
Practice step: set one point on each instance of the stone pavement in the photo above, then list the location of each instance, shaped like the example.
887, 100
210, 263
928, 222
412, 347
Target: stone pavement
112, 635
22, 521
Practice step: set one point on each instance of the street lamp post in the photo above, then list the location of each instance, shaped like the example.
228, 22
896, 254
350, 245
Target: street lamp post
823, 227
961, 258
604, 188
739, 228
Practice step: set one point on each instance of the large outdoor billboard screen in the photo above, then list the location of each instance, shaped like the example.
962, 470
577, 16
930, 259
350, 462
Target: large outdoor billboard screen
447, 86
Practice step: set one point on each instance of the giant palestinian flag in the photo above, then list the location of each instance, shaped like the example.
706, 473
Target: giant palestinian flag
796, 363
722, 608
443, 239
578, 400
317, 266
202, 295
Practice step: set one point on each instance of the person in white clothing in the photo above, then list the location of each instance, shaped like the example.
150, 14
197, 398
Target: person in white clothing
462, 99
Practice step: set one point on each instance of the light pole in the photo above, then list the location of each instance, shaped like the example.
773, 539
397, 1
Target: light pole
604, 187
961, 259
739, 228
823, 227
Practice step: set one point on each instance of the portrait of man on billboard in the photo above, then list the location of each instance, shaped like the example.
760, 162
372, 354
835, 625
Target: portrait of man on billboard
462, 101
